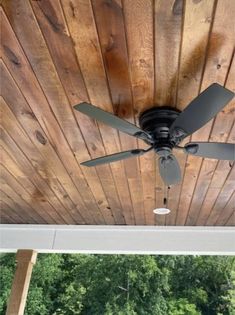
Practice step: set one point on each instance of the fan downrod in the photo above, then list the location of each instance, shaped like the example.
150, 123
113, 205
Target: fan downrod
157, 122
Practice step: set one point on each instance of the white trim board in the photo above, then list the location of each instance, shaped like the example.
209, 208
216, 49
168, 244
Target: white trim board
165, 240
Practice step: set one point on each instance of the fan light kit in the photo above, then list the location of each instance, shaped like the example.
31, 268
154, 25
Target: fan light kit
161, 211
163, 128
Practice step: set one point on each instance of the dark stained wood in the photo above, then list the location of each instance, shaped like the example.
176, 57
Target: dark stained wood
167, 30
123, 56
56, 42
197, 22
42, 208
138, 17
41, 186
227, 211
17, 133
219, 132
231, 220
34, 95
8, 211
194, 165
5, 215
223, 198
167, 26
110, 26
82, 27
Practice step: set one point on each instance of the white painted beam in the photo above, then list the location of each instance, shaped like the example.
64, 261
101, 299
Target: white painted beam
118, 239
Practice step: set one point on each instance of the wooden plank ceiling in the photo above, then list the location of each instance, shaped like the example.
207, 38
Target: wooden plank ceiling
124, 57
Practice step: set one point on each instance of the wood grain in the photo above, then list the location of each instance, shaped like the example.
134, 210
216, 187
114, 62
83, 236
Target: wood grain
26, 79
227, 211
110, 26
167, 26
123, 56
19, 290
79, 15
196, 171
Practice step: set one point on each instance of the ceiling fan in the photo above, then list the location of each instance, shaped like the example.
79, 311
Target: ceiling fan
163, 128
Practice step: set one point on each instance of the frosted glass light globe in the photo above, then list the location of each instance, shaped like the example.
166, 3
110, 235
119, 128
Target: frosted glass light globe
161, 211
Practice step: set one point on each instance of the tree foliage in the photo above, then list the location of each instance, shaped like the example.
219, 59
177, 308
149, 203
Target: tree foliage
125, 285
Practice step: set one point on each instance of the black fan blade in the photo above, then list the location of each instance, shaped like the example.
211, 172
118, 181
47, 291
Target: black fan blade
202, 109
114, 157
112, 121
169, 170
213, 150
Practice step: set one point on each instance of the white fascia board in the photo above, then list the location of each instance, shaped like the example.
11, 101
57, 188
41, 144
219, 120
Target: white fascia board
165, 240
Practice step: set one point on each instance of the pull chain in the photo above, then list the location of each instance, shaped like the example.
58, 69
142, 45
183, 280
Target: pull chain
166, 194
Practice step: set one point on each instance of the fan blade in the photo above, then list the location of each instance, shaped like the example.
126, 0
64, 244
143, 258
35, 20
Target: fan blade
202, 109
169, 170
213, 150
114, 157
112, 120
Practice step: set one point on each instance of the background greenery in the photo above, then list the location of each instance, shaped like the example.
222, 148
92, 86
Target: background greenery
125, 285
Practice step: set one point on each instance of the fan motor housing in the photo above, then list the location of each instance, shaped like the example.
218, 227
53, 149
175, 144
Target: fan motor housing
157, 122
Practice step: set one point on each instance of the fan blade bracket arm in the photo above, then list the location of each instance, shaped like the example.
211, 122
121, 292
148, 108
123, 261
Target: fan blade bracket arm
178, 134
137, 151
144, 136
141, 151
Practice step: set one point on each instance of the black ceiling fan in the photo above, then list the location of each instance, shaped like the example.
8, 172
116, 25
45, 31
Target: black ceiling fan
163, 128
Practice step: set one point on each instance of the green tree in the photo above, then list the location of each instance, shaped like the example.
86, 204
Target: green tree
7, 268
125, 285
204, 281
182, 307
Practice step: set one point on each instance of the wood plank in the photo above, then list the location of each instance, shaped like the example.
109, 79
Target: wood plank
87, 126
195, 164
9, 211
46, 12
11, 125
43, 208
6, 219
221, 44
203, 183
138, 18
168, 25
48, 158
17, 300
10, 165
9, 196
198, 16
111, 30
227, 212
82, 28
33, 93
220, 131
35, 213
217, 182
20, 159
6, 160
224, 196
59, 146
219, 177
110, 26
196, 27
9, 150
123, 56
231, 220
